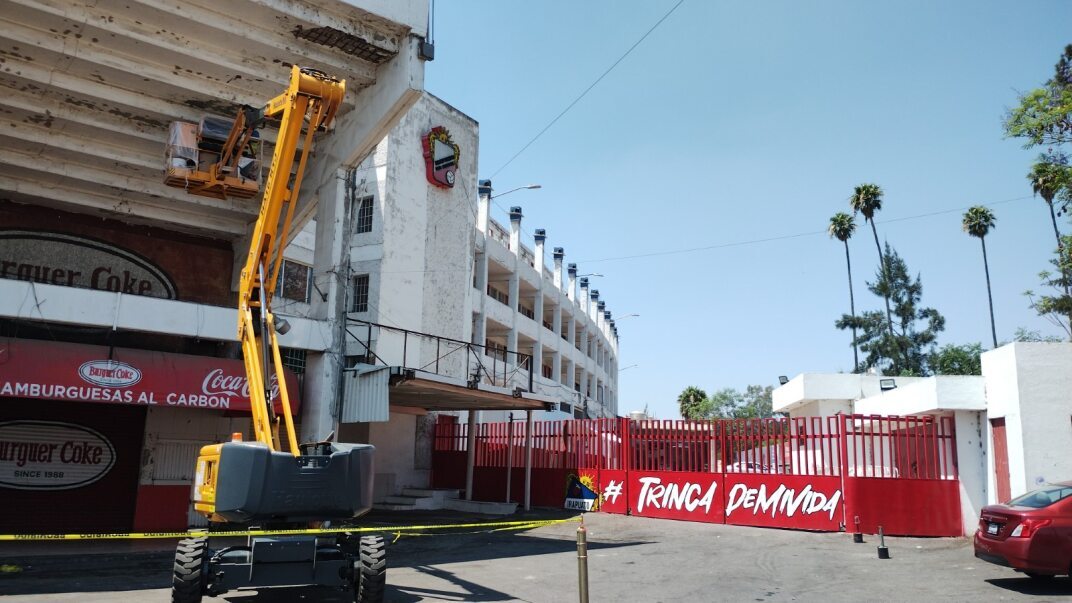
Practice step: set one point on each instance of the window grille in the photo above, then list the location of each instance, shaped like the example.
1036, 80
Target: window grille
361, 294
362, 216
293, 359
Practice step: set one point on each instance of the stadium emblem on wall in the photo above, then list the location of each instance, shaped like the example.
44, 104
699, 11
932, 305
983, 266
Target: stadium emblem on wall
440, 157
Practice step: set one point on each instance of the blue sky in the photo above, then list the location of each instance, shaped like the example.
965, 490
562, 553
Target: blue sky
735, 123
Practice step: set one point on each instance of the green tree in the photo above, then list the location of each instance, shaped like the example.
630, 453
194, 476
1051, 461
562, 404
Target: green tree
842, 226
754, 403
1057, 305
1025, 335
1044, 115
978, 221
866, 199
906, 351
958, 360
693, 403
1044, 118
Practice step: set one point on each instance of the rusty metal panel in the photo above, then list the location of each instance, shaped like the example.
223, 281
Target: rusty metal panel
365, 394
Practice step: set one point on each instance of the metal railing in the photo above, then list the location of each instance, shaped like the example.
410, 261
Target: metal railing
423, 352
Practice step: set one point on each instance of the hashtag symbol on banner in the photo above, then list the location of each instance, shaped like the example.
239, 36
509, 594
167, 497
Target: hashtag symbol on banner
612, 491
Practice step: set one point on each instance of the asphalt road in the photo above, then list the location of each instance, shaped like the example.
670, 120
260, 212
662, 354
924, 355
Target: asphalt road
631, 559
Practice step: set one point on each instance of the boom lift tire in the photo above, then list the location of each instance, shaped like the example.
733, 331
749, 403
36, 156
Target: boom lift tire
370, 573
188, 582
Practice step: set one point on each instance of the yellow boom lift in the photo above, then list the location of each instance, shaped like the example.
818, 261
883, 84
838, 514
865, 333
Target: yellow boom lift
271, 481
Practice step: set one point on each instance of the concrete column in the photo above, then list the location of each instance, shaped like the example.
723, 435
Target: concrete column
515, 230
480, 328
583, 299
484, 206
515, 283
593, 306
537, 346
556, 326
571, 287
559, 254
323, 380
540, 237
470, 456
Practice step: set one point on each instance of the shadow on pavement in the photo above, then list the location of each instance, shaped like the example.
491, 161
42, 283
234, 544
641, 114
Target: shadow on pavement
424, 552
1035, 586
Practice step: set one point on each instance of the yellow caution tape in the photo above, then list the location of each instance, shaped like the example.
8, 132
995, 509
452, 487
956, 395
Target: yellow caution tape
518, 525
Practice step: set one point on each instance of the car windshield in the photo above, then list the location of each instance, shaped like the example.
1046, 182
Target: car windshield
1043, 497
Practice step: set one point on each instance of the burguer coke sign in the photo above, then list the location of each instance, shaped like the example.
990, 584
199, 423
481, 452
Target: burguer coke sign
52, 455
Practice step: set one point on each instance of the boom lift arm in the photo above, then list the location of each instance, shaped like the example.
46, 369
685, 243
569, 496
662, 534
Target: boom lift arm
314, 96
273, 480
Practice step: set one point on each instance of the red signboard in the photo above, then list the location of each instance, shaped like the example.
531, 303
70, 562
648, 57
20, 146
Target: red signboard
87, 373
613, 489
800, 502
689, 496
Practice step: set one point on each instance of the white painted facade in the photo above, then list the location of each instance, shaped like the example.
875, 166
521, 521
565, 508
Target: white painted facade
1029, 385
432, 256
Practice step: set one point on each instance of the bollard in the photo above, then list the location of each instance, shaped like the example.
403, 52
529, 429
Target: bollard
883, 552
582, 561
858, 536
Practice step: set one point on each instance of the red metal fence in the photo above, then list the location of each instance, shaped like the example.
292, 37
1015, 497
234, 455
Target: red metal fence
820, 473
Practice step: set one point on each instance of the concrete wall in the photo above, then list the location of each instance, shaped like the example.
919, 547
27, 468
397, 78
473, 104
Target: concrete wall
396, 461
972, 460
1030, 385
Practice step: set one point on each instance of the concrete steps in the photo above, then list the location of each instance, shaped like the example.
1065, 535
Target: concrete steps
428, 499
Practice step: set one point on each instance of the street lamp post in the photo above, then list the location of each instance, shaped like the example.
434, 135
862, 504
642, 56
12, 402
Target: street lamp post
514, 190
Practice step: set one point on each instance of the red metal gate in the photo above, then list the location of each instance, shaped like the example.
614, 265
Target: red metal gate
814, 473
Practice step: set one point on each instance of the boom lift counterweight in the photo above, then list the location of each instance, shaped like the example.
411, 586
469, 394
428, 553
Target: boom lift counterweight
273, 480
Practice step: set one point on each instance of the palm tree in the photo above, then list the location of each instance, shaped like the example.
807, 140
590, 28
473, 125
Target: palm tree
691, 402
978, 221
842, 225
1047, 179
867, 199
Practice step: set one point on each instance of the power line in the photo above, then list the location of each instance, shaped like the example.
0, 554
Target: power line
589, 88
783, 237
743, 243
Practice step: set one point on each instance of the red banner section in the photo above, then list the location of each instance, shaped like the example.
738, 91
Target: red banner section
87, 373
798, 502
677, 495
903, 507
613, 488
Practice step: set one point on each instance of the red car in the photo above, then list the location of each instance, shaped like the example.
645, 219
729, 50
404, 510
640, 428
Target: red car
1031, 533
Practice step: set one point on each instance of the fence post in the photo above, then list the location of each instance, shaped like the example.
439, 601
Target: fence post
509, 454
843, 460
528, 460
470, 457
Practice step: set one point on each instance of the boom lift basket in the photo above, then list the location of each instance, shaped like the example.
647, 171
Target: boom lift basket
258, 484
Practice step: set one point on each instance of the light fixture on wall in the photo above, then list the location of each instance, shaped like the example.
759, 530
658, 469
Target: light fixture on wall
887, 384
782, 379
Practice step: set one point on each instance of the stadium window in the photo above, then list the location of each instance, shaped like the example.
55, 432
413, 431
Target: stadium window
361, 293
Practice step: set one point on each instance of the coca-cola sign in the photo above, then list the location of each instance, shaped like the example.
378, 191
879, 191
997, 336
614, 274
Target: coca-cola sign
109, 373
219, 383
50, 455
